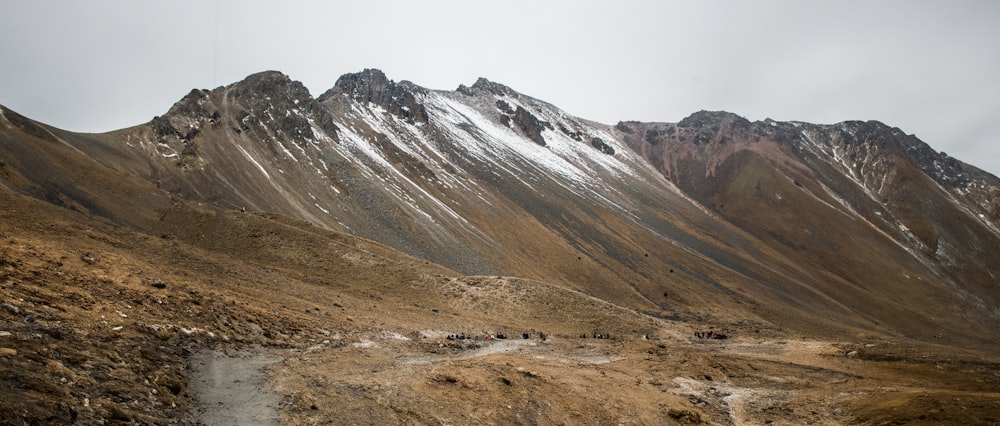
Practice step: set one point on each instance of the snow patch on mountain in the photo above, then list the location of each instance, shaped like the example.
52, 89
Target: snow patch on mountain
563, 160
254, 161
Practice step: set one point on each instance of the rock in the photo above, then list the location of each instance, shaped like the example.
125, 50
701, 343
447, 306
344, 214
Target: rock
7, 352
13, 310
625, 127
162, 127
5, 334
371, 85
88, 258
504, 107
266, 97
530, 125
602, 146
851, 354
498, 89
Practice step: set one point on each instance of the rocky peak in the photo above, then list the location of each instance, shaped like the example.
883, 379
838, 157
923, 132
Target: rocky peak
861, 142
285, 104
366, 86
178, 128
944, 169
266, 105
482, 84
372, 85
269, 87
706, 126
713, 118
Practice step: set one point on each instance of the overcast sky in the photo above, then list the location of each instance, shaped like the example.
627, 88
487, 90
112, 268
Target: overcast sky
931, 68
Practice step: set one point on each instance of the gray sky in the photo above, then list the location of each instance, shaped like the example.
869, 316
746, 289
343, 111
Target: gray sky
931, 68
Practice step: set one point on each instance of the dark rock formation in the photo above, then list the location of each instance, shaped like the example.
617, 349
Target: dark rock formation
707, 126
602, 146
577, 136
531, 125
626, 126
371, 85
504, 107
267, 96
494, 88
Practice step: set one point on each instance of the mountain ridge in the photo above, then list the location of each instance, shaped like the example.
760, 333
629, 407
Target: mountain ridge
399, 160
438, 174
361, 227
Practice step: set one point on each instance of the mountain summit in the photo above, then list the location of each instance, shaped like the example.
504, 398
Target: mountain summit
762, 228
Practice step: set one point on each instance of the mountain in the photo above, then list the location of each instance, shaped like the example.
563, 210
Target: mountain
765, 229
857, 220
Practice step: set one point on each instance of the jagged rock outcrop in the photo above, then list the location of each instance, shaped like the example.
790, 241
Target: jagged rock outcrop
602, 146
271, 102
530, 125
495, 88
371, 85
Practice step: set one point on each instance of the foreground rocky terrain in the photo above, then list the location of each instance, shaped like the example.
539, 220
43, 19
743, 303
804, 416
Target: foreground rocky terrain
256, 252
102, 325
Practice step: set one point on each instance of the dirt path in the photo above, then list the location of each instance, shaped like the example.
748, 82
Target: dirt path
233, 389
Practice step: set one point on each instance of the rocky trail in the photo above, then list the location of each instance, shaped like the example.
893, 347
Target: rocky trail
233, 389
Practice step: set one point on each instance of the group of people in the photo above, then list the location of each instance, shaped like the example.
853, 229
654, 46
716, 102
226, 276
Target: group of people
489, 336
597, 336
710, 334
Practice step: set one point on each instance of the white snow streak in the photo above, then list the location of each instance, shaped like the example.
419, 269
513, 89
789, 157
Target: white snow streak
252, 160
